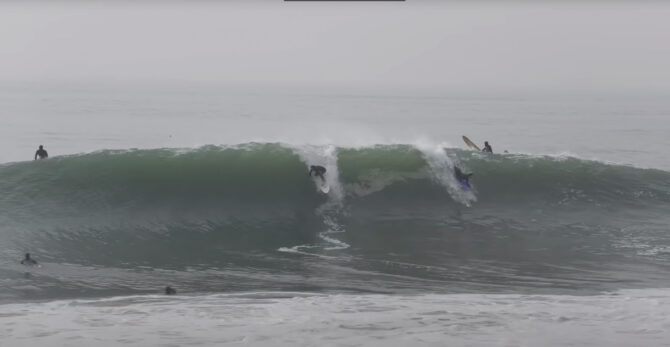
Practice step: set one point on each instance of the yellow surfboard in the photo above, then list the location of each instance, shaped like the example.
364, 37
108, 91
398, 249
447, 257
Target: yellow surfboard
470, 143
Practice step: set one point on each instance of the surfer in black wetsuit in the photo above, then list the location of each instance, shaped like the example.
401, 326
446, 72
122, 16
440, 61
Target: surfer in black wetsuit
42, 153
318, 171
487, 147
462, 177
170, 291
28, 260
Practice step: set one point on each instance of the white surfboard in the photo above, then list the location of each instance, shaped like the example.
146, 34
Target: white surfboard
321, 185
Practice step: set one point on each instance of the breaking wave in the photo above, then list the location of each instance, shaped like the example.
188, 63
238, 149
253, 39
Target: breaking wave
390, 208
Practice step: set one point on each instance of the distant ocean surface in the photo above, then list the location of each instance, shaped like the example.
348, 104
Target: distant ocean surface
563, 240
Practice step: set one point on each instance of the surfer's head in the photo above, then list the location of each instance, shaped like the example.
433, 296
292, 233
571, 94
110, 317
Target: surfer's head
27, 255
40, 146
486, 143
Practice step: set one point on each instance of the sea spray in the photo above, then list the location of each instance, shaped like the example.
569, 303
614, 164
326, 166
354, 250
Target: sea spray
442, 171
331, 210
325, 156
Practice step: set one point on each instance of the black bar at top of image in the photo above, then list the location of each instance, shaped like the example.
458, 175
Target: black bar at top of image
346, 0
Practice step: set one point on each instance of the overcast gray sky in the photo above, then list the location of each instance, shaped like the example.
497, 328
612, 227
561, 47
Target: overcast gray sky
519, 45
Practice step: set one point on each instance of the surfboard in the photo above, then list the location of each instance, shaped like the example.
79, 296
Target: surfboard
321, 185
470, 143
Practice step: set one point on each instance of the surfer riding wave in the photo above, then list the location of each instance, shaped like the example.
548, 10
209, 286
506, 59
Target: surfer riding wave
463, 178
317, 171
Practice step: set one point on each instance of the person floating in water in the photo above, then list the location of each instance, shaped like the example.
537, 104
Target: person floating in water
487, 147
462, 178
28, 260
318, 171
42, 153
170, 291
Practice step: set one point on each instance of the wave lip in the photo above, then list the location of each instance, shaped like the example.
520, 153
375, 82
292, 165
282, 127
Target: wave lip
262, 173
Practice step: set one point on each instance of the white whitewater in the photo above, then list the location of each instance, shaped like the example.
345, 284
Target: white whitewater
625, 318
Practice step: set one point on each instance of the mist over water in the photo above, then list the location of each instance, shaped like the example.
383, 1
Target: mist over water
180, 135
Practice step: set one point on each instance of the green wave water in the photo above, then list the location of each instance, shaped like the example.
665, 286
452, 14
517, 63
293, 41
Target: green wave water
249, 216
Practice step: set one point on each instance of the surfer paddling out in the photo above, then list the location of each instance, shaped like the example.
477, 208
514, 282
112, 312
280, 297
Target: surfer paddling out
487, 148
41, 152
29, 261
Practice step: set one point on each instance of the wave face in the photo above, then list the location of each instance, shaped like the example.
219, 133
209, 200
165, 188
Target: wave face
250, 217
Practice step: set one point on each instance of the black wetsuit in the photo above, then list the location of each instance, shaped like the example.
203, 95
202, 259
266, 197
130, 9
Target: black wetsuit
487, 148
28, 261
42, 153
318, 171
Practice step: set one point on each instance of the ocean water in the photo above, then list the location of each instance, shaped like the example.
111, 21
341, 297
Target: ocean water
563, 239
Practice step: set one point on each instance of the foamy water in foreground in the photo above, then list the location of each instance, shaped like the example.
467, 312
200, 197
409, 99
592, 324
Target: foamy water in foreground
624, 318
